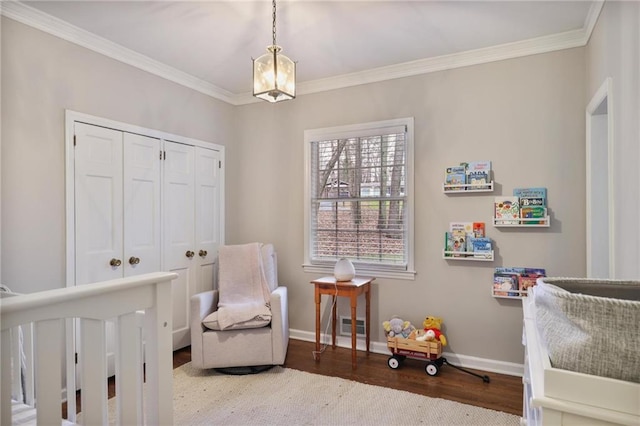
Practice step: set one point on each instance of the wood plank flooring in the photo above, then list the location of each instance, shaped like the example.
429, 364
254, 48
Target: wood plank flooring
502, 393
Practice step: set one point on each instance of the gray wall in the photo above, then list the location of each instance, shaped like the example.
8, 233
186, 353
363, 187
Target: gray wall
614, 51
42, 76
525, 115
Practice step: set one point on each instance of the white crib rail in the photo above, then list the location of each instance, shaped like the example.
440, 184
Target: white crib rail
94, 304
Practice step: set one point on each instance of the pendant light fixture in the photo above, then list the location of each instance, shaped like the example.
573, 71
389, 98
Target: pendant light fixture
274, 75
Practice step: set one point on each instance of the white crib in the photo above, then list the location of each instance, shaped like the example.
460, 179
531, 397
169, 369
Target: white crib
36, 325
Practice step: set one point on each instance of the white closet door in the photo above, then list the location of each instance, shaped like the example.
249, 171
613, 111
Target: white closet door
179, 232
141, 205
207, 215
98, 198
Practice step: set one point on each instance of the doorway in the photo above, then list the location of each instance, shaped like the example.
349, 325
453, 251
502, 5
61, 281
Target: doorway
600, 190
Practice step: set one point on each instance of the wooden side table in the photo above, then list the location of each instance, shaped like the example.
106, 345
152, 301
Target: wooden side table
351, 289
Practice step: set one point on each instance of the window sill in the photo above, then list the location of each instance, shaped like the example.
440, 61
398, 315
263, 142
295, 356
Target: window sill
363, 272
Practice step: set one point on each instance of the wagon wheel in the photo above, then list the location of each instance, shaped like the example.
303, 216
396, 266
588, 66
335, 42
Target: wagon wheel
431, 368
393, 362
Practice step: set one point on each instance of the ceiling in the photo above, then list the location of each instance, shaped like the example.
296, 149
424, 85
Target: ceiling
335, 43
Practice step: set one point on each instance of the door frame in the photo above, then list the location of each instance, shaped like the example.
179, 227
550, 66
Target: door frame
603, 96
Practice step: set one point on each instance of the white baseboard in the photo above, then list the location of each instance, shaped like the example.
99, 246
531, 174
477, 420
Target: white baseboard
465, 361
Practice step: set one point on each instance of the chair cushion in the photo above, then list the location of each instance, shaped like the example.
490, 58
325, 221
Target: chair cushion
211, 322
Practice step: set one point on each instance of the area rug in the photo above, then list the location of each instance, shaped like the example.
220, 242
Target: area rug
283, 396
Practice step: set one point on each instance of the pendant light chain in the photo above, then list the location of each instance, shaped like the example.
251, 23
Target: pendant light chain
274, 22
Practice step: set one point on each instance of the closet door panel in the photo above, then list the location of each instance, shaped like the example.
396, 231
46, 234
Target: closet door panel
98, 198
207, 215
141, 205
179, 231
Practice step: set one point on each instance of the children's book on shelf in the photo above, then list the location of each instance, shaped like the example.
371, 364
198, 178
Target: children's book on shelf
531, 202
459, 243
481, 247
455, 244
528, 279
504, 284
533, 212
533, 194
466, 227
478, 229
506, 210
511, 272
448, 243
455, 175
524, 278
478, 173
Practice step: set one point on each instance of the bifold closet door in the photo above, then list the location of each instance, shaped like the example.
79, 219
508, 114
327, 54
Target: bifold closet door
142, 242
117, 197
98, 203
179, 233
117, 209
207, 213
191, 227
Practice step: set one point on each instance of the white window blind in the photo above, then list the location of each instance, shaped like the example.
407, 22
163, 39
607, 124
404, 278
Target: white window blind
358, 197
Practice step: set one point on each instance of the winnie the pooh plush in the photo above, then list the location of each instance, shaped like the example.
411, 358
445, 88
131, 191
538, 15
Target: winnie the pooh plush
433, 325
397, 327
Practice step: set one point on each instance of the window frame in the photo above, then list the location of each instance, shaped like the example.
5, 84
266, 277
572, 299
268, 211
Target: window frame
360, 130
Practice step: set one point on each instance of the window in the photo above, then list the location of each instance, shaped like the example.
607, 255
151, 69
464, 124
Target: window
359, 198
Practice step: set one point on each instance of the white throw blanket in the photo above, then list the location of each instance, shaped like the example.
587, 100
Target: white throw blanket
244, 292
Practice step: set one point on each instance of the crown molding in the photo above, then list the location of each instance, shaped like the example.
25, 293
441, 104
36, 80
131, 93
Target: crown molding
47, 23
545, 44
592, 18
34, 18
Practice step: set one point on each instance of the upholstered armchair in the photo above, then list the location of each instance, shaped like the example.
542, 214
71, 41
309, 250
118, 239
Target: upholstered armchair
252, 344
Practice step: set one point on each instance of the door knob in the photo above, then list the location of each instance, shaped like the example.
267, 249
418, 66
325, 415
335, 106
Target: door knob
134, 260
115, 262
189, 254
203, 253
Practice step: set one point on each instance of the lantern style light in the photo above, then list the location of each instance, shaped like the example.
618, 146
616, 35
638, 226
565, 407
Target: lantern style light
274, 74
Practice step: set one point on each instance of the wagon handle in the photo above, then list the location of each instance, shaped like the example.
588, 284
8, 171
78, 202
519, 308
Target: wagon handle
485, 378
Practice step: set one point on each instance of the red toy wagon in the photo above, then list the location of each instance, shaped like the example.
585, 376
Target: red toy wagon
431, 351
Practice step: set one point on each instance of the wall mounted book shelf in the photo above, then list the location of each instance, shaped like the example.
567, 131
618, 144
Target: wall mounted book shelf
467, 188
540, 222
468, 255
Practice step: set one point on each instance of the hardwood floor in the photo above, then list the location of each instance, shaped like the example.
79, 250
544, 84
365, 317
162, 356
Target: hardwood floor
502, 393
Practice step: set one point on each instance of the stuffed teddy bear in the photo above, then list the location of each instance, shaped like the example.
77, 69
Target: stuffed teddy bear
433, 325
397, 327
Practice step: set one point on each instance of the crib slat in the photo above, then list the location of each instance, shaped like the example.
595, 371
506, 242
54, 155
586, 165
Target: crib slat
17, 391
28, 349
129, 370
5, 376
70, 347
93, 365
159, 358
48, 359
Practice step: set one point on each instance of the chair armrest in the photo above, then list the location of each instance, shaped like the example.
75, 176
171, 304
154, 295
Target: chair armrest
279, 324
202, 304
